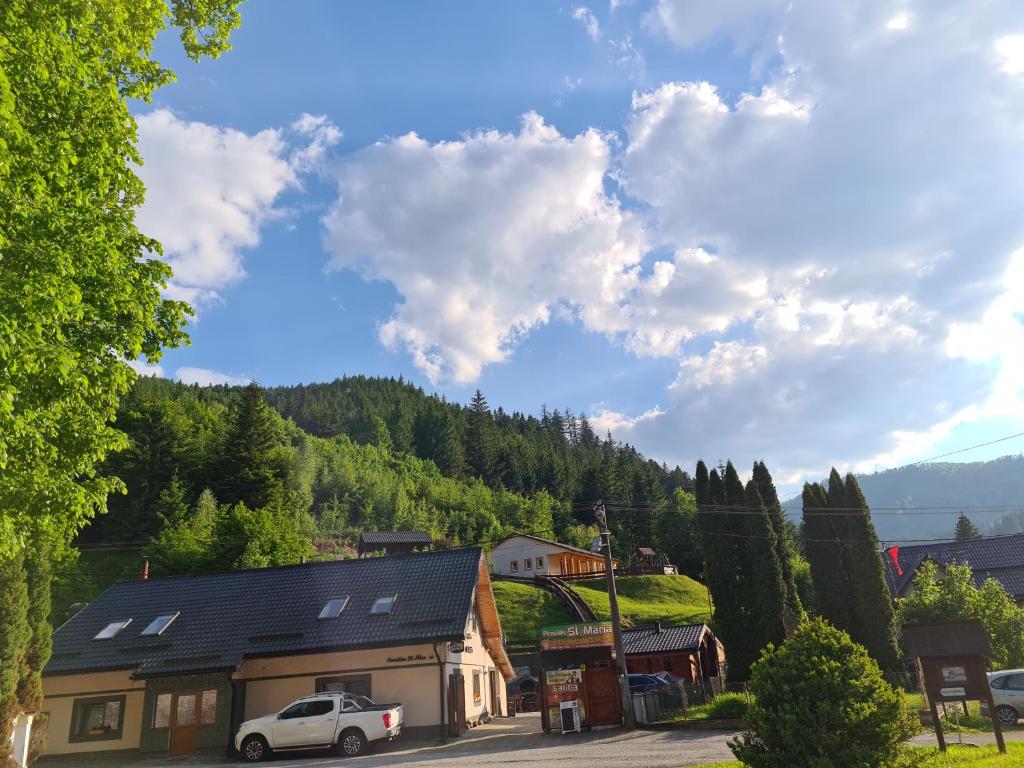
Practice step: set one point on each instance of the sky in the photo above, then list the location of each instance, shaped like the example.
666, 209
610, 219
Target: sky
778, 229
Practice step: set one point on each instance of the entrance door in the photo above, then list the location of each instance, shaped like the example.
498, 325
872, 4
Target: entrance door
184, 723
456, 704
603, 706
492, 684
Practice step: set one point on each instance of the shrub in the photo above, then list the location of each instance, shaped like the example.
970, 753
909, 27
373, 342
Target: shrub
730, 706
821, 702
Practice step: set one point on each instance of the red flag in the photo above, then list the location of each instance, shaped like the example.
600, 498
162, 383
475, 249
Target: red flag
894, 555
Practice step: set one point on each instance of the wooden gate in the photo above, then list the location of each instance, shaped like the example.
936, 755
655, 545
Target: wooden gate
602, 690
184, 724
456, 704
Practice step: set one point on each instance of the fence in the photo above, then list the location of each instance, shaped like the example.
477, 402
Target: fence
710, 700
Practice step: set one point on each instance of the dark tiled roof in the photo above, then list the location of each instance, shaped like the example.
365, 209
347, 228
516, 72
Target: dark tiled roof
997, 557
271, 611
395, 537
665, 640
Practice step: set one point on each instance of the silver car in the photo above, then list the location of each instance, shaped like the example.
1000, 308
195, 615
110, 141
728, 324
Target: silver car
1008, 694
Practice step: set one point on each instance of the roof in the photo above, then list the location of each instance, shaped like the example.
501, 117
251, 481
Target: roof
997, 557
395, 537
567, 547
645, 551
660, 639
963, 637
225, 618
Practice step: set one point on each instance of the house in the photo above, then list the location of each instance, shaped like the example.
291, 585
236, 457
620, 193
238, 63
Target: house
997, 557
392, 542
647, 561
526, 556
174, 665
690, 651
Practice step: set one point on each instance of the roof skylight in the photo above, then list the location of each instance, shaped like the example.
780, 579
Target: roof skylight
384, 604
159, 624
333, 608
112, 629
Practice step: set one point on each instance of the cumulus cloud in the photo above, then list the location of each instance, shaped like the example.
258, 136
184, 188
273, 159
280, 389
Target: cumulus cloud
210, 190
206, 377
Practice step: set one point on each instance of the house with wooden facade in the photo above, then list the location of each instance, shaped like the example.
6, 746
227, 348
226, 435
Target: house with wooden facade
690, 651
174, 665
524, 556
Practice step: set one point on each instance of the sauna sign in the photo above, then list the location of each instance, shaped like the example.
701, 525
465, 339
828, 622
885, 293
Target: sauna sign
566, 637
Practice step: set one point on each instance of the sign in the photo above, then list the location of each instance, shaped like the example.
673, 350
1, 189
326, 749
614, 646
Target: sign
954, 674
564, 681
456, 646
565, 637
563, 685
952, 693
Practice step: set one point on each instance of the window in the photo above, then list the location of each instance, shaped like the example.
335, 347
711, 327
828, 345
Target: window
159, 624
384, 604
97, 719
333, 608
515, 566
1015, 683
528, 564
319, 707
185, 710
162, 710
539, 561
294, 711
110, 631
476, 687
1000, 682
358, 685
208, 708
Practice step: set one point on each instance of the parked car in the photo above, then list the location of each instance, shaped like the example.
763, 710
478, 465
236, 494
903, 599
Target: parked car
642, 683
1008, 695
342, 721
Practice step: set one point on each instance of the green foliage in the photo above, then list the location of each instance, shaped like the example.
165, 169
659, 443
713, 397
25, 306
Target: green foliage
804, 584
14, 644
956, 597
524, 609
820, 701
647, 599
729, 706
783, 543
253, 464
38, 577
580, 536
675, 534
188, 543
965, 529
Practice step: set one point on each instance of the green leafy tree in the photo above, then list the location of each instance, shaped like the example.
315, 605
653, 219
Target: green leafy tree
580, 536
966, 530
258, 538
38, 581
382, 436
820, 700
188, 542
675, 533
824, 554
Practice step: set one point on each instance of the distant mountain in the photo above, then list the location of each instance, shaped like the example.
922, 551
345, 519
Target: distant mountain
948, 489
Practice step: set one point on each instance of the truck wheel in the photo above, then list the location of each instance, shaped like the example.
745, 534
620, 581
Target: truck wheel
255, 748
352, 742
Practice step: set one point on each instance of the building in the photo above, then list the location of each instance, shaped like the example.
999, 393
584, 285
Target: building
527, 556
646, 562
392, 542
174, 665
996, 557
690, 651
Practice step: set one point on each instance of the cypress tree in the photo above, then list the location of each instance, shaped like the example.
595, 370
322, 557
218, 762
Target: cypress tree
767, 590
874, 624
783, 547
38, 581
825, 556
966, 530
14, 644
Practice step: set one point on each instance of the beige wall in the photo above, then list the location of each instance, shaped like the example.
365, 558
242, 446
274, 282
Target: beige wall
59, 704
477, 659
412, 682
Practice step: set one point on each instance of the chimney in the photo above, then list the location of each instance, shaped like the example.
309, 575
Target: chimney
302, 559
657, 627
145, 569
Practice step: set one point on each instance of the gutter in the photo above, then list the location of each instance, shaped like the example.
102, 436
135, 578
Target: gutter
440, 691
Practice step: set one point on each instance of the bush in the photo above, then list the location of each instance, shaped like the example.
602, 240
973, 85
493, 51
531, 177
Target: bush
821, 702
729, 706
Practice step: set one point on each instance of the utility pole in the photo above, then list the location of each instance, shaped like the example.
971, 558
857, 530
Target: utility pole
613, 600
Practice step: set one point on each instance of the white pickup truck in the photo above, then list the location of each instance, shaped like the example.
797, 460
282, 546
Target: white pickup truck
342, 721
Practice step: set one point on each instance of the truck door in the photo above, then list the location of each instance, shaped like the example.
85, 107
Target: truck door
321, 721
290, 726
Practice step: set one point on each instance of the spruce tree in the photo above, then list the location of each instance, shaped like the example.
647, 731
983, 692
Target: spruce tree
480, 448
783, 547
966, 530
251, 466
450, 458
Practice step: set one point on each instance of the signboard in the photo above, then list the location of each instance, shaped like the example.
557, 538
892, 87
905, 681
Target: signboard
954, 674
457, 646
952, 693
565, 637
563, 685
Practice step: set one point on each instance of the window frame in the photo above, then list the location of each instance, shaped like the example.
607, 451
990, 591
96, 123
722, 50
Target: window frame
171, 618
477, 687
391, 605
527, 563
321, 683
329, 617
538, 562
156, 707
514, 566
78, 707
216, 703
123, 626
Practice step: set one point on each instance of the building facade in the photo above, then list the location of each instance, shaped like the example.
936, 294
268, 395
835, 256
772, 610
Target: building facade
690, 651
524, 556
174, 665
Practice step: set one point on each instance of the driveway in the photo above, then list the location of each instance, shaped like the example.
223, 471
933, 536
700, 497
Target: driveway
516, 741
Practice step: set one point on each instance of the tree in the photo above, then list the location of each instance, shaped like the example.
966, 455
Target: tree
966, 530
480, 448
675, 533
38, 577
14, 644
820, 700
252, 465
450, 458
767, 592
258, 538
188, 542
825, 556
783, 545
382, 437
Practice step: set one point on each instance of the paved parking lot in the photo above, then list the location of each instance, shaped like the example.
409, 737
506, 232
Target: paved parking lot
515, 742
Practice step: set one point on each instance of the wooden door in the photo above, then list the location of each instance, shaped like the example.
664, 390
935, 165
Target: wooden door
184, 723
456, 704
603, 706
492, 683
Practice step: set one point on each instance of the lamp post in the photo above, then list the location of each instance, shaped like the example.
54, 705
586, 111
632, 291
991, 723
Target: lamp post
613, 601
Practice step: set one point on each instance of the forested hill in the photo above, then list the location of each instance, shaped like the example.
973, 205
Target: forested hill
937, 494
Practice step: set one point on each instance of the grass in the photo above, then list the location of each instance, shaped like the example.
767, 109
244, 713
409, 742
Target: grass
646, 599
930, 757
728, 706
524, 609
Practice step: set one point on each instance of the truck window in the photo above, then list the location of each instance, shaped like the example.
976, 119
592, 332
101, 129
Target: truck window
319, 707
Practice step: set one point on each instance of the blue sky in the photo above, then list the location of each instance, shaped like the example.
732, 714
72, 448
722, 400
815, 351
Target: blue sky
723, 230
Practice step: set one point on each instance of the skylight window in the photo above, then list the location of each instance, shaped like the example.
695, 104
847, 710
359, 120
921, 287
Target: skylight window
333, 608
384, 604
112, 629
159, 624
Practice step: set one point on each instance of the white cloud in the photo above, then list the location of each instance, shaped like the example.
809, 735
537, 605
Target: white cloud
210, 190
898, 23
1011, 49
589, 21
617, 422
206, 377
145, 369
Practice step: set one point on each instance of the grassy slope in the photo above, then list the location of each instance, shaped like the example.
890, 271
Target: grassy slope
524, 609
646, 599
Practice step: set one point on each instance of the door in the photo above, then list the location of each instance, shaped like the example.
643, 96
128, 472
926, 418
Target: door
321, 720
290, 726
456, 704
184, 724
603, 706
492, 684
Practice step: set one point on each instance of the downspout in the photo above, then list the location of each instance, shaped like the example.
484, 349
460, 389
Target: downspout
440, 690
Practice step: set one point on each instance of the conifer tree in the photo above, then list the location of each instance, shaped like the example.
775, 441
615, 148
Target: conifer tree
767, 591
450, 458
381, 435
966, 530
770, 497
825, 557
38, 581
480, 438
14, 643
252, 467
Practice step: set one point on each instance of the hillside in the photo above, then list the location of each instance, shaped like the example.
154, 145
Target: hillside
525, 608
646, 599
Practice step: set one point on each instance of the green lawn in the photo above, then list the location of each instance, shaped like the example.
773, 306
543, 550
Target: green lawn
646, 599
930, 757
524, 609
